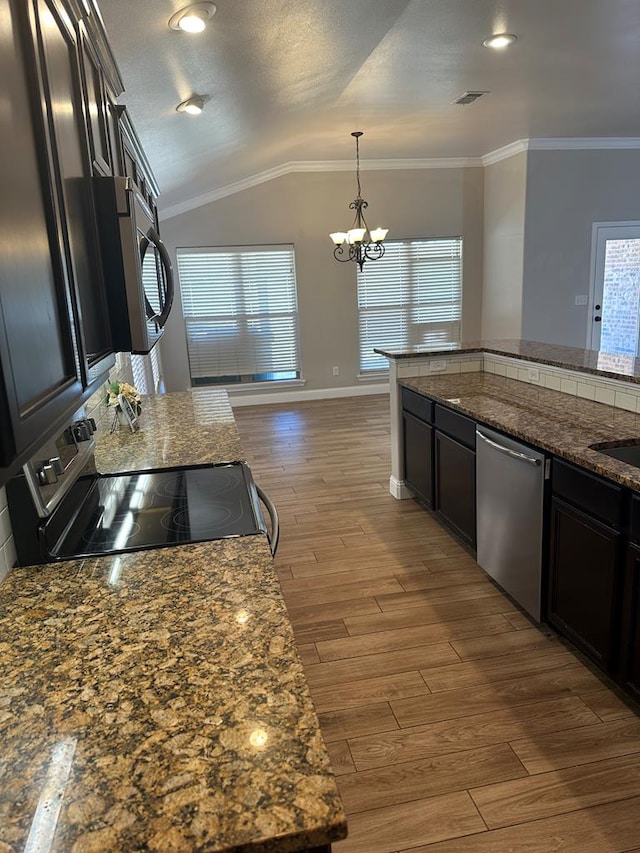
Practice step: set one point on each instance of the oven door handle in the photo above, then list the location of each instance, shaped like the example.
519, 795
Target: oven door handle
273, 515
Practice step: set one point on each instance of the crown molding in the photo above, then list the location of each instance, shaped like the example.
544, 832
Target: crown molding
510, 150
614, 143
518, 147
314, 166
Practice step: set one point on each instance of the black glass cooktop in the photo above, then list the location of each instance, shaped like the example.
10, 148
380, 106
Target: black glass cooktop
149, 509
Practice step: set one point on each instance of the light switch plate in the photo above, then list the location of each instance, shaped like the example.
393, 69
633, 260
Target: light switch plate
436, 365
582, 300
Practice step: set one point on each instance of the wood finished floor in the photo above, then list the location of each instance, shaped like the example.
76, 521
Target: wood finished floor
454, 725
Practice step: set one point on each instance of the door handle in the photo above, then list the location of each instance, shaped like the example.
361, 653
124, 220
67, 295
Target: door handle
597, 319
508, 452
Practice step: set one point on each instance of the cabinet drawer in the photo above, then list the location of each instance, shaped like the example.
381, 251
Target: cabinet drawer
457, 426
590, 493
416, 404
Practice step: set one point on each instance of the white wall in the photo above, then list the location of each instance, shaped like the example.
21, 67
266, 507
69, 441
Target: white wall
303, 209
567, 191
504, 226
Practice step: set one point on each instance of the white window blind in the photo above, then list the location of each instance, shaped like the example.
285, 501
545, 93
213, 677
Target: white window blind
241, 313
412, 296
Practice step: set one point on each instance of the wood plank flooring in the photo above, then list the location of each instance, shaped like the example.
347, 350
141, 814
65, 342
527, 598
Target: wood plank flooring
454, 725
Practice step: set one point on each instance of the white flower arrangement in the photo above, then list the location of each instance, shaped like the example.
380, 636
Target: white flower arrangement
129, 392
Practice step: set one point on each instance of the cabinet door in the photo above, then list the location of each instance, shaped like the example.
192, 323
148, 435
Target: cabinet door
418, 456
96, 106
630, 641
455, 493
39, 370
584, 574
59, 63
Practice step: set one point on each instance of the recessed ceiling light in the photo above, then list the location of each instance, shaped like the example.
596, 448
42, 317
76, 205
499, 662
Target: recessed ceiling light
193, 105
194, 18
500, 40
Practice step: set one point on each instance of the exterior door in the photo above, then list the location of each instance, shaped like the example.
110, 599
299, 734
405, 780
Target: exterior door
613, 323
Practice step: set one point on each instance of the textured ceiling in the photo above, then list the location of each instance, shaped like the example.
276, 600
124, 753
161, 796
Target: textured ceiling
288, 80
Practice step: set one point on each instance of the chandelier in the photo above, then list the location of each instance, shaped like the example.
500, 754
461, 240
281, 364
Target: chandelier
362, 244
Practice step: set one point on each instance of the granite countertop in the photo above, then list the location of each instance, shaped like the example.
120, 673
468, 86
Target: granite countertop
553, 421
155, 700
612, 365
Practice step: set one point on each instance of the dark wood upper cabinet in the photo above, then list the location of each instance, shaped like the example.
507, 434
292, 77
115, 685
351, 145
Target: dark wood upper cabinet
57, 42
97, 106
60, 126
40, 370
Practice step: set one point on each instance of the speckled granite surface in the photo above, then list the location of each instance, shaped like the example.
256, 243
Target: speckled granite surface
556, 422
181, 428
623, 367
159, 692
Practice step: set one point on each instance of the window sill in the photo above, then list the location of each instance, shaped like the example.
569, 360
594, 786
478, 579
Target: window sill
374, 376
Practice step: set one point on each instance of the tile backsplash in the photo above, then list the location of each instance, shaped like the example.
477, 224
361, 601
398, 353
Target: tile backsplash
611, 392
7, 547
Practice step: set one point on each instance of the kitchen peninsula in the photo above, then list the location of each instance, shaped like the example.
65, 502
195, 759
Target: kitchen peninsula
155, 700
545, 394
564, 543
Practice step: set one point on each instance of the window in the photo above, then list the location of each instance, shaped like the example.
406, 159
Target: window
412, 296
241, 313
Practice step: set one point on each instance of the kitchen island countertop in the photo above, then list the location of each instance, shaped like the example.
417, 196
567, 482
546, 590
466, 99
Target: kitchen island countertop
157, 697
551, 420
625, 368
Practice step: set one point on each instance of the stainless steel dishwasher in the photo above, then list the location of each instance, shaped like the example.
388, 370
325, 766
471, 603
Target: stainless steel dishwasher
509, 511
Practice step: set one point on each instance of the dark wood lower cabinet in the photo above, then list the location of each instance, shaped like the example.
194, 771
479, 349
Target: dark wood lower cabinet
455, 490
630, 639
584, 582
418, 456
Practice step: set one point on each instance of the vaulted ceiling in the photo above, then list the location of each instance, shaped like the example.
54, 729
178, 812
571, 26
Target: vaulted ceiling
288, 80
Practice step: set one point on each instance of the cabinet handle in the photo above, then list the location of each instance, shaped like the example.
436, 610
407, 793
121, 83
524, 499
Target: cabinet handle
514, 453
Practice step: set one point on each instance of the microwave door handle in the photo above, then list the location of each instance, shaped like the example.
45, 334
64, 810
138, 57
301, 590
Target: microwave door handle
165, 260
153, 237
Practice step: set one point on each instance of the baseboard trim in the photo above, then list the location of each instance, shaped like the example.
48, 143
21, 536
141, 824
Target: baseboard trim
239, 399
399, 489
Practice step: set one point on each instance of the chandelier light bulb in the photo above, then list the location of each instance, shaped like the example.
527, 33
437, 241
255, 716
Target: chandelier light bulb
378, 234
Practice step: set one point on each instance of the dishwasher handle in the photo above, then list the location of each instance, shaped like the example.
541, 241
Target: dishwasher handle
275, 521
522, 457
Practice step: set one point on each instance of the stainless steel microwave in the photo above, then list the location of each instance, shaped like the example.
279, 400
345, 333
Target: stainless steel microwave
137, 267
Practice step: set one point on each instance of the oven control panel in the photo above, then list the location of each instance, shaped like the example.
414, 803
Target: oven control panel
51, 472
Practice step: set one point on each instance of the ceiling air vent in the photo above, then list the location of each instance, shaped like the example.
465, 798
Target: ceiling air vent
468, 97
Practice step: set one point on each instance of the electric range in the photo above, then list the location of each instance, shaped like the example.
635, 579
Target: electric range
61, 508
